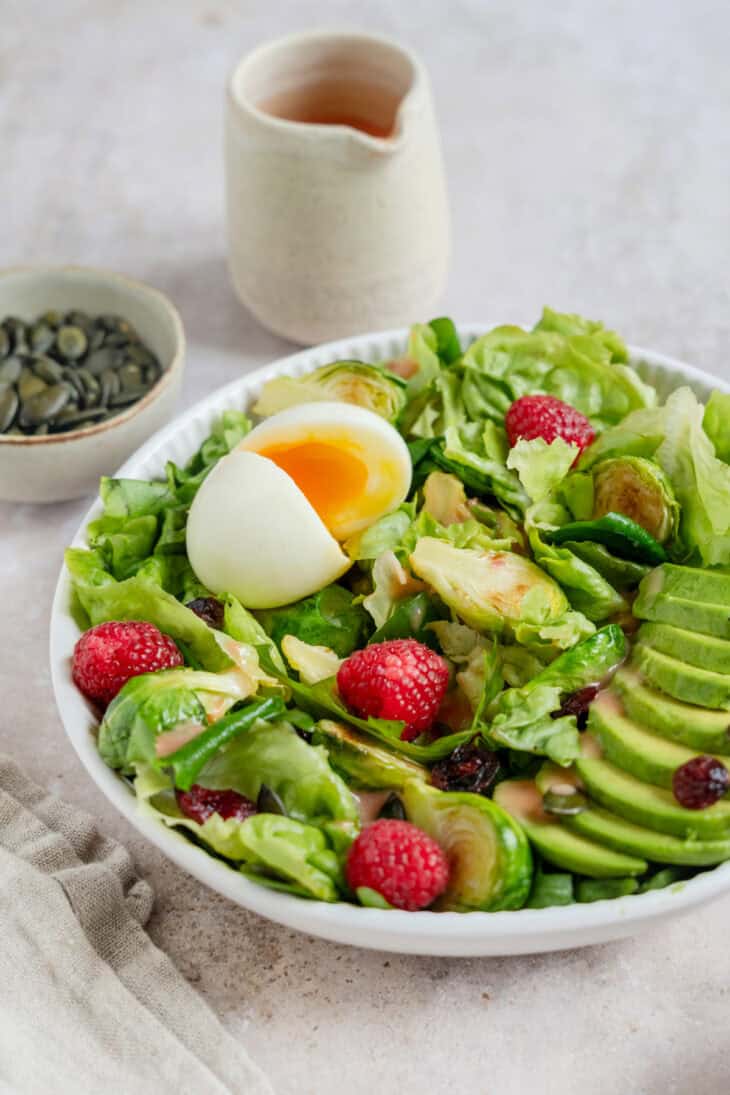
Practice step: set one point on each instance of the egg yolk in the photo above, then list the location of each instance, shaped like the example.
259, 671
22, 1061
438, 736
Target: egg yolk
330, 477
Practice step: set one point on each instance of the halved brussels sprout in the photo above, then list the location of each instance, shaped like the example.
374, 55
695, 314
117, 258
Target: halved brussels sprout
490, 590
368, 386
489, 855
639, 489
362, 762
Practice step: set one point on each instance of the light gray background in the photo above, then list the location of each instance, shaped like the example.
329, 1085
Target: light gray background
588, 148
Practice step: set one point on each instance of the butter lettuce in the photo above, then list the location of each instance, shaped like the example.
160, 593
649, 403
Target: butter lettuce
103, 598
273, 754
588, 591
674, 437
541, 466
527, 718
716, 424
276, 851
329, 618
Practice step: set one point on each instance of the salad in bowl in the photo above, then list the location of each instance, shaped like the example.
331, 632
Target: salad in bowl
447, 632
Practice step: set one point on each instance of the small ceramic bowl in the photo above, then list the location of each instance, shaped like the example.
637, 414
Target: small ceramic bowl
61, 466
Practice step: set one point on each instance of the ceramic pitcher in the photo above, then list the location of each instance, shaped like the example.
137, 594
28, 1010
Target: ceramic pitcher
335, 226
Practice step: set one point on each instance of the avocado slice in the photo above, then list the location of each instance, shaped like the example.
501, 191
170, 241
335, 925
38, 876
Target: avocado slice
654, 807
688, 583
666, 608
363, 763
696, 727
489, 856
626, 836
558, 844
703, 651
647, 756
683, 682
684, 596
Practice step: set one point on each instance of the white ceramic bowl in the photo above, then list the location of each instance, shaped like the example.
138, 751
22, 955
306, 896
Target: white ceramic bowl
68, 465
523, 932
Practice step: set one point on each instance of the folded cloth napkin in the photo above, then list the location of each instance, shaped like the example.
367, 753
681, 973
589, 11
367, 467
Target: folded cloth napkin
87, 1003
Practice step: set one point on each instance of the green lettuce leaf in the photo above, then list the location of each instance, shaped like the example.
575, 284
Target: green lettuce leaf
673, 436
123, 542
278, 851
103, 598
541, 466
585, 587
273, 754
228, 432
329, 618
716, 424
134, 497
524, 718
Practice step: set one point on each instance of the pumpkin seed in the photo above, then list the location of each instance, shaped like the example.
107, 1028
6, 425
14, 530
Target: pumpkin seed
96, 338
72, 379
109, 386
116, 338
42, 338
126, 396
8, 408
71, 342
44, 406
15, 330
62, 371
100, 360
152, 374
30, 385
10, 368
77, 318
130, 376
48, 369
137, 352
70, 419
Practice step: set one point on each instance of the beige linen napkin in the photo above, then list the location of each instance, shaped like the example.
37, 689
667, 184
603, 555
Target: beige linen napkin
87, 1003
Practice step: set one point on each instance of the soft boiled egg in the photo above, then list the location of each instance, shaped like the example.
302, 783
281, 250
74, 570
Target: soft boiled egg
266, 522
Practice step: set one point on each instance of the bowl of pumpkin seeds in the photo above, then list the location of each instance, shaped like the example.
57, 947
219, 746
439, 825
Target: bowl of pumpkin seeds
90, 366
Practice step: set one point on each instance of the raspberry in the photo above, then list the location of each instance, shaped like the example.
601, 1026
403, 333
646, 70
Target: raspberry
106, 656
400, 679
700, 782
400, 862
200, 802
545, 416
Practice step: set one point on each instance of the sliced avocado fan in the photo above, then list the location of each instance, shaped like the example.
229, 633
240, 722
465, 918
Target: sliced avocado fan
696, 727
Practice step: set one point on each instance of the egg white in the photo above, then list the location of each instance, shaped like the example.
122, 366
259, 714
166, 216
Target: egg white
251, 532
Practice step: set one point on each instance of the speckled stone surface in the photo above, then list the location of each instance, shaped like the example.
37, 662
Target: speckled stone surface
588, 154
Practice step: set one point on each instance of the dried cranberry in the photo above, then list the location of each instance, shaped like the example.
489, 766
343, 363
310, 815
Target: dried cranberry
200, 802
700, 782
210, 609
471, 767
577, 703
